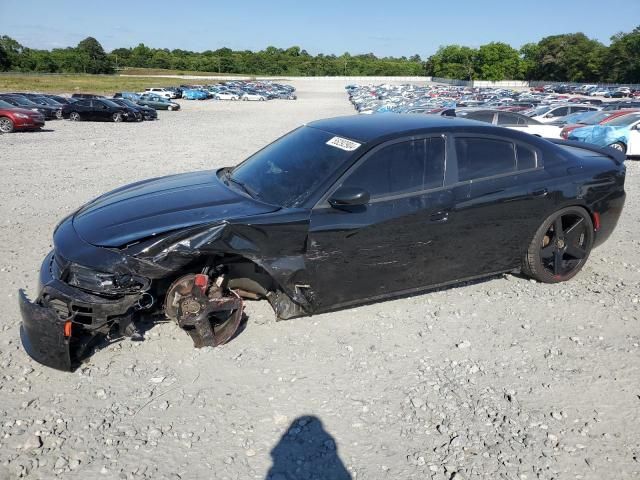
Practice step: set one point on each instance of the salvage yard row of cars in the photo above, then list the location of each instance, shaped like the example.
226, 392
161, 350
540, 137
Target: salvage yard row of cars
30, 111
232, 90
614, 124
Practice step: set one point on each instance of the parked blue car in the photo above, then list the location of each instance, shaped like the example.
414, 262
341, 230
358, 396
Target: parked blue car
194, 95
621, 133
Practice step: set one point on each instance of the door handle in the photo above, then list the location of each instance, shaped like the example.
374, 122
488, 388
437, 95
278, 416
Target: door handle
439, 217
540, 193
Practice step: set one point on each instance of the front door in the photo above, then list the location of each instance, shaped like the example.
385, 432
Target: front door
395, 243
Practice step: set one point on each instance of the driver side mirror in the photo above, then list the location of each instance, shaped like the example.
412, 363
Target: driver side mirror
349, 197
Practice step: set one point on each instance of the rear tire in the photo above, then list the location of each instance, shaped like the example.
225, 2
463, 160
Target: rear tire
621, 147
170, 108
6, 125
560, 247
117, 117
75, 117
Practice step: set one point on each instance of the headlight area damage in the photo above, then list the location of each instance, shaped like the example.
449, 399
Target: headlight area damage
196, 277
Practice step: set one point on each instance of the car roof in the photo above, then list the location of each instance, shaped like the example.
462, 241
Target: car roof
366, 128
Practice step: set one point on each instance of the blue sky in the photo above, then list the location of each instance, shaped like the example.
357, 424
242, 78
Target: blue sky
327, 26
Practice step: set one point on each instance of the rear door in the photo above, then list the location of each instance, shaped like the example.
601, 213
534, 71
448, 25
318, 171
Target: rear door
396, 242
500, 200
83, 107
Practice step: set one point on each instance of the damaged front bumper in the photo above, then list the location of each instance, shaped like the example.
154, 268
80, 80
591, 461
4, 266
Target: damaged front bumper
61, 324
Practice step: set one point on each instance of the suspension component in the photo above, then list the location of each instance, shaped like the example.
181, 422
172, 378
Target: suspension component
208, 312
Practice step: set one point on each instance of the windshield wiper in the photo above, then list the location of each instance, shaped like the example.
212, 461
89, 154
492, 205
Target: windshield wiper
250, 191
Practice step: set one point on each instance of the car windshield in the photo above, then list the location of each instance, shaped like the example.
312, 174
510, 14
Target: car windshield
4, 104
128, 103
23, 102
110, 103
50, 101
540, 111
624, 120
594, 117
286, 172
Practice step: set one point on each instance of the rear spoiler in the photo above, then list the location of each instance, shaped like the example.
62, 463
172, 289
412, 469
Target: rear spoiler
617, 156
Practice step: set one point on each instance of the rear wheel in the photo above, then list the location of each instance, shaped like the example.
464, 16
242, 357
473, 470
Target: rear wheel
74, 117
117, 117
621, 147
560, 247
170, 107
6, 125
59, 114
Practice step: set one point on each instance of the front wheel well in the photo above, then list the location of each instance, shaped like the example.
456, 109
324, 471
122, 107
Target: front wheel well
240, 273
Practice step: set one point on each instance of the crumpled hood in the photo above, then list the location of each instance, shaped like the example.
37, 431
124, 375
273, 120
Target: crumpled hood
159, 205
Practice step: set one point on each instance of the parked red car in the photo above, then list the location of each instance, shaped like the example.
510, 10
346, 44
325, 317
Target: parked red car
12, 118
598, 118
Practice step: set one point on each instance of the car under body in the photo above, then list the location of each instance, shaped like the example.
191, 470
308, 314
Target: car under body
191, 246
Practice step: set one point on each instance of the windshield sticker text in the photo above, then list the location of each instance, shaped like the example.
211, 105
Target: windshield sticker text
343, 144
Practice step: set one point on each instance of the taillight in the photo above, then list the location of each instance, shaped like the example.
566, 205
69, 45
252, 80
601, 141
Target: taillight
596, 221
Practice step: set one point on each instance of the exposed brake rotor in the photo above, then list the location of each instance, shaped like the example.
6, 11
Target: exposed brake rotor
209, 313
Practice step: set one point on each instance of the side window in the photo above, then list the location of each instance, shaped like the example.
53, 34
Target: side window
481, 116
527, 158
83, 103
484, 157
403, 167
580, 109
508, 119
560, 112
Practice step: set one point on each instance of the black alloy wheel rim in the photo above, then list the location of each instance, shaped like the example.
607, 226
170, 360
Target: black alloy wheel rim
564, 245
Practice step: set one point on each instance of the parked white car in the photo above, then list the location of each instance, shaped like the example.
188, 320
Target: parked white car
253, 96
161, 92
512, 121
600, 92
225, 96
551, 113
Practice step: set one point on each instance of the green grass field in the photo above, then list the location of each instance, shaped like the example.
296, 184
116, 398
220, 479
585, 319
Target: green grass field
99, 84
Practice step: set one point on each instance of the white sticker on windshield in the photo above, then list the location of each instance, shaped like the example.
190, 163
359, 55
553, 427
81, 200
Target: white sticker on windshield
343, 144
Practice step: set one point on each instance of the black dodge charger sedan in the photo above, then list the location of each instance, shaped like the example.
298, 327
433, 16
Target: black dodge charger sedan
335, 213
147, 113
99, 109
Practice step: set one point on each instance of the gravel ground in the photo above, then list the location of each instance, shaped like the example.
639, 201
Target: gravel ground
501, 379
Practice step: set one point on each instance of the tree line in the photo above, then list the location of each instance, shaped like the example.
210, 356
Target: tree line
572, 57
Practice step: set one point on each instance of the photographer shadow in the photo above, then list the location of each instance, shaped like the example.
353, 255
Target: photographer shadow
307, 451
